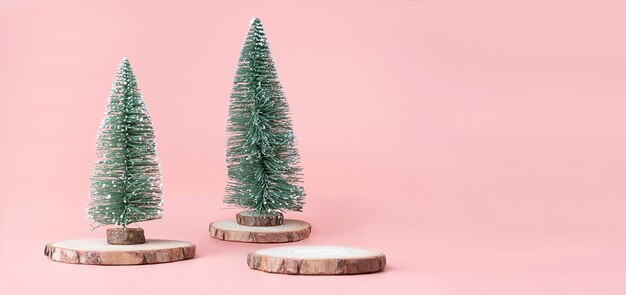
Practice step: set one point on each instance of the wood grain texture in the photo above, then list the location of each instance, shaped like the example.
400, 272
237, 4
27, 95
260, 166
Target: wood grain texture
125, 236
249, 219
99, 252
317, 260
290, 231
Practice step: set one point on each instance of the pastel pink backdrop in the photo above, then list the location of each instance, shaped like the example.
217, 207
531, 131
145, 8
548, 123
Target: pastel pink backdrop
480, 144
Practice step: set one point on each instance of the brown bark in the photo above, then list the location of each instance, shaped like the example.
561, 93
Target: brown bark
125, 236
290, 231
249, 219
315, 264
99, 252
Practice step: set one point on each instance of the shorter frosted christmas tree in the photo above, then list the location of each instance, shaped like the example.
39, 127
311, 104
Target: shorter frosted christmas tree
264, 176
125, 187
126, 183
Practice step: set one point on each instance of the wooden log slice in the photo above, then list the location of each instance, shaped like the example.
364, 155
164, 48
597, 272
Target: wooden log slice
249, 219
317, 260
290, 231
99, 252
125, 236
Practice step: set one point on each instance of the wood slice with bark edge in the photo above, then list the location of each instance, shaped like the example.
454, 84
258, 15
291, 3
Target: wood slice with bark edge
249, 219
125, 236
99, 252
290, 231
317, 260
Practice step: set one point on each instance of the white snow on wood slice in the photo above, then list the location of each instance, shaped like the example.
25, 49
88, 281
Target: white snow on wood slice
317, 260
290, 231
98, 251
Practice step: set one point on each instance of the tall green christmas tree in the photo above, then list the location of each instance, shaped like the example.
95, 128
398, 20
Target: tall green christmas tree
263, 162
126, 182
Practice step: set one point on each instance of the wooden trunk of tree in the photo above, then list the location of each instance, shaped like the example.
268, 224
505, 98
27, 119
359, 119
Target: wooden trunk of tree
98, 251
249, 219
125, 236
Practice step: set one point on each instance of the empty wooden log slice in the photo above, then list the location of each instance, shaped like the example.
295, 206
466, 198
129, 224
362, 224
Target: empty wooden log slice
249, 219
290, 231
317, 260
99, 252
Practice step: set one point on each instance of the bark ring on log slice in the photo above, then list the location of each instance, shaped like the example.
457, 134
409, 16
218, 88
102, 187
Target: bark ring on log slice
290, 231
99, 252
125, 236
317, 260
250, 219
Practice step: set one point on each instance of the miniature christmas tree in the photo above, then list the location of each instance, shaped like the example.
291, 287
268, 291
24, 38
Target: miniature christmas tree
263, 171
125, 188
126, 182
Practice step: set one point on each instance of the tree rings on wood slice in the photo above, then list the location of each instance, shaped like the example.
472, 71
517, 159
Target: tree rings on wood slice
250, 219
125, 236
317, 260
290, 231
99, 252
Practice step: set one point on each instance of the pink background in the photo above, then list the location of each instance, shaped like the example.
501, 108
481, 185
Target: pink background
480, 144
